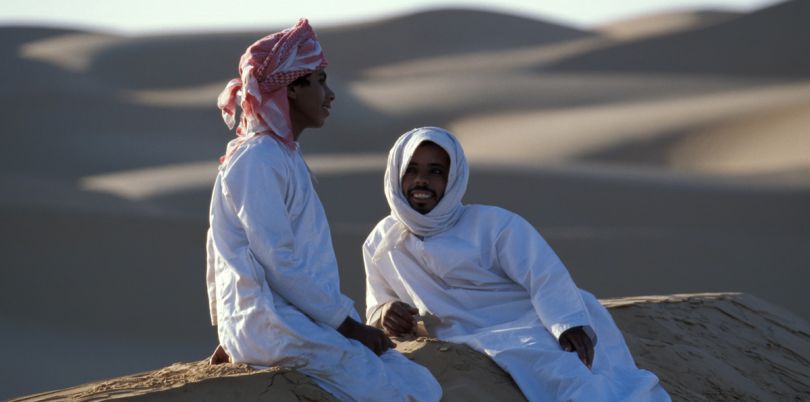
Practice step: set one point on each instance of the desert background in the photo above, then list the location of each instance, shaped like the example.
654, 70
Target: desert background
662, 153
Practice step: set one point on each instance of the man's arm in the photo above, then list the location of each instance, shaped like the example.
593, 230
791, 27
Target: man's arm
378, 291
528, 260
256, 189
576, 340
384, 309
371, 337
398, 318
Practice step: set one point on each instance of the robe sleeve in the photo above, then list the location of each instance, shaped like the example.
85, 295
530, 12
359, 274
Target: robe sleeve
378, 292
210, 277
257, 188
528, 260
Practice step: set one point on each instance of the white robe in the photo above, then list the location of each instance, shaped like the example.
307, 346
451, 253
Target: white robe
273, 282
492, 282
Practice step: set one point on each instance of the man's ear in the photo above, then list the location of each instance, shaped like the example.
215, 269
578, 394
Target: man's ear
291, 94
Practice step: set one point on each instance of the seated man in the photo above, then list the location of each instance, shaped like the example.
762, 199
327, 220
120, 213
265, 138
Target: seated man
272, 275
483, 276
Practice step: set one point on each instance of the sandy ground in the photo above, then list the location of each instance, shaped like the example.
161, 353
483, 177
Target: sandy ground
703, 347
645, 180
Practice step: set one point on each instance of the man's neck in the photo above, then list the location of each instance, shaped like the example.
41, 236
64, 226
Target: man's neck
296, 130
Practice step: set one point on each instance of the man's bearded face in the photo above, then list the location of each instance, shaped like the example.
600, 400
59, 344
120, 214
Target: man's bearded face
425, 178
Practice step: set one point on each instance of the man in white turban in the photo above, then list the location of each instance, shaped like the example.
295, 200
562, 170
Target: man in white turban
482, 276
272, 275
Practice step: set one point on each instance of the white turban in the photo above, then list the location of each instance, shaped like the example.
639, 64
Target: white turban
449, 209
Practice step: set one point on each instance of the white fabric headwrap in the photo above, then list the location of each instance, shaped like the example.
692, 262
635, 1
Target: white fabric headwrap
449, 209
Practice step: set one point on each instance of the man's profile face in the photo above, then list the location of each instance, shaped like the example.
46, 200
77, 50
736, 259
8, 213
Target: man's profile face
310, 102
425, 177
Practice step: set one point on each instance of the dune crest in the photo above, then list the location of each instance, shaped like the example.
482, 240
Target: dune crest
663, 23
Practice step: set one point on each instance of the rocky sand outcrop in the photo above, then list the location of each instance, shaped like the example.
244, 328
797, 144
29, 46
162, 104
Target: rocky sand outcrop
704, 347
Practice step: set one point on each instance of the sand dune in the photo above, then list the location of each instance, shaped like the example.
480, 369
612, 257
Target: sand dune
71, 52
172, 60
352, 49
140, 184
518, 56
553, 136
663, 23
484, 93
685, 339
739, 147
12, 37
769, 43
666, 181
490, 62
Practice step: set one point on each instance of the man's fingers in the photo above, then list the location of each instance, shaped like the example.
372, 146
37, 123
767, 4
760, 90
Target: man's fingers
389, 343
581, 352
590, 354
404, 311
383, 345
394, 327
576, 339
576, 343
584, 347
404, 321
378, 343
397, 324
401, 304
566, 344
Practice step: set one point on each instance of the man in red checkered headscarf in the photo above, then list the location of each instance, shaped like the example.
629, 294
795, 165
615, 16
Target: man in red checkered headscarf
266, 70
273, 286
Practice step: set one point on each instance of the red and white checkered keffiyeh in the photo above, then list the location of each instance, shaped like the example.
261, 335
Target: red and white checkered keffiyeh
265, 70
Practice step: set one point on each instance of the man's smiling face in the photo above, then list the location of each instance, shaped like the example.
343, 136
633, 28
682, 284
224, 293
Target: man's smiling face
425, 177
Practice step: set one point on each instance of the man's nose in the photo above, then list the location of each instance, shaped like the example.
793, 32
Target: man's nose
421, 179
330, 94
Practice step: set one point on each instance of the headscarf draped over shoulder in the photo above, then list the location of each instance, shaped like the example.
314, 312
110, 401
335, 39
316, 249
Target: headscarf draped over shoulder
266, 68
449, 209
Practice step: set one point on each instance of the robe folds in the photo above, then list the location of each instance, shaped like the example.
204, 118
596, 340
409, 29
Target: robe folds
273, 286
491, 281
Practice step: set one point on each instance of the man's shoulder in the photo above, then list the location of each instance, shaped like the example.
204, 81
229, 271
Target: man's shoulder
260, 150
384, 224
496, 218
489, 211
379, 230
265, 147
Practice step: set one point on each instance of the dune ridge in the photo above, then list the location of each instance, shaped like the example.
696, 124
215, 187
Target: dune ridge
768, 42
685, 339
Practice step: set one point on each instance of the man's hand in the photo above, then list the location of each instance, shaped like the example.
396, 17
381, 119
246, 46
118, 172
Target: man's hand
373, 338
576, 340
220, 356
398, 318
